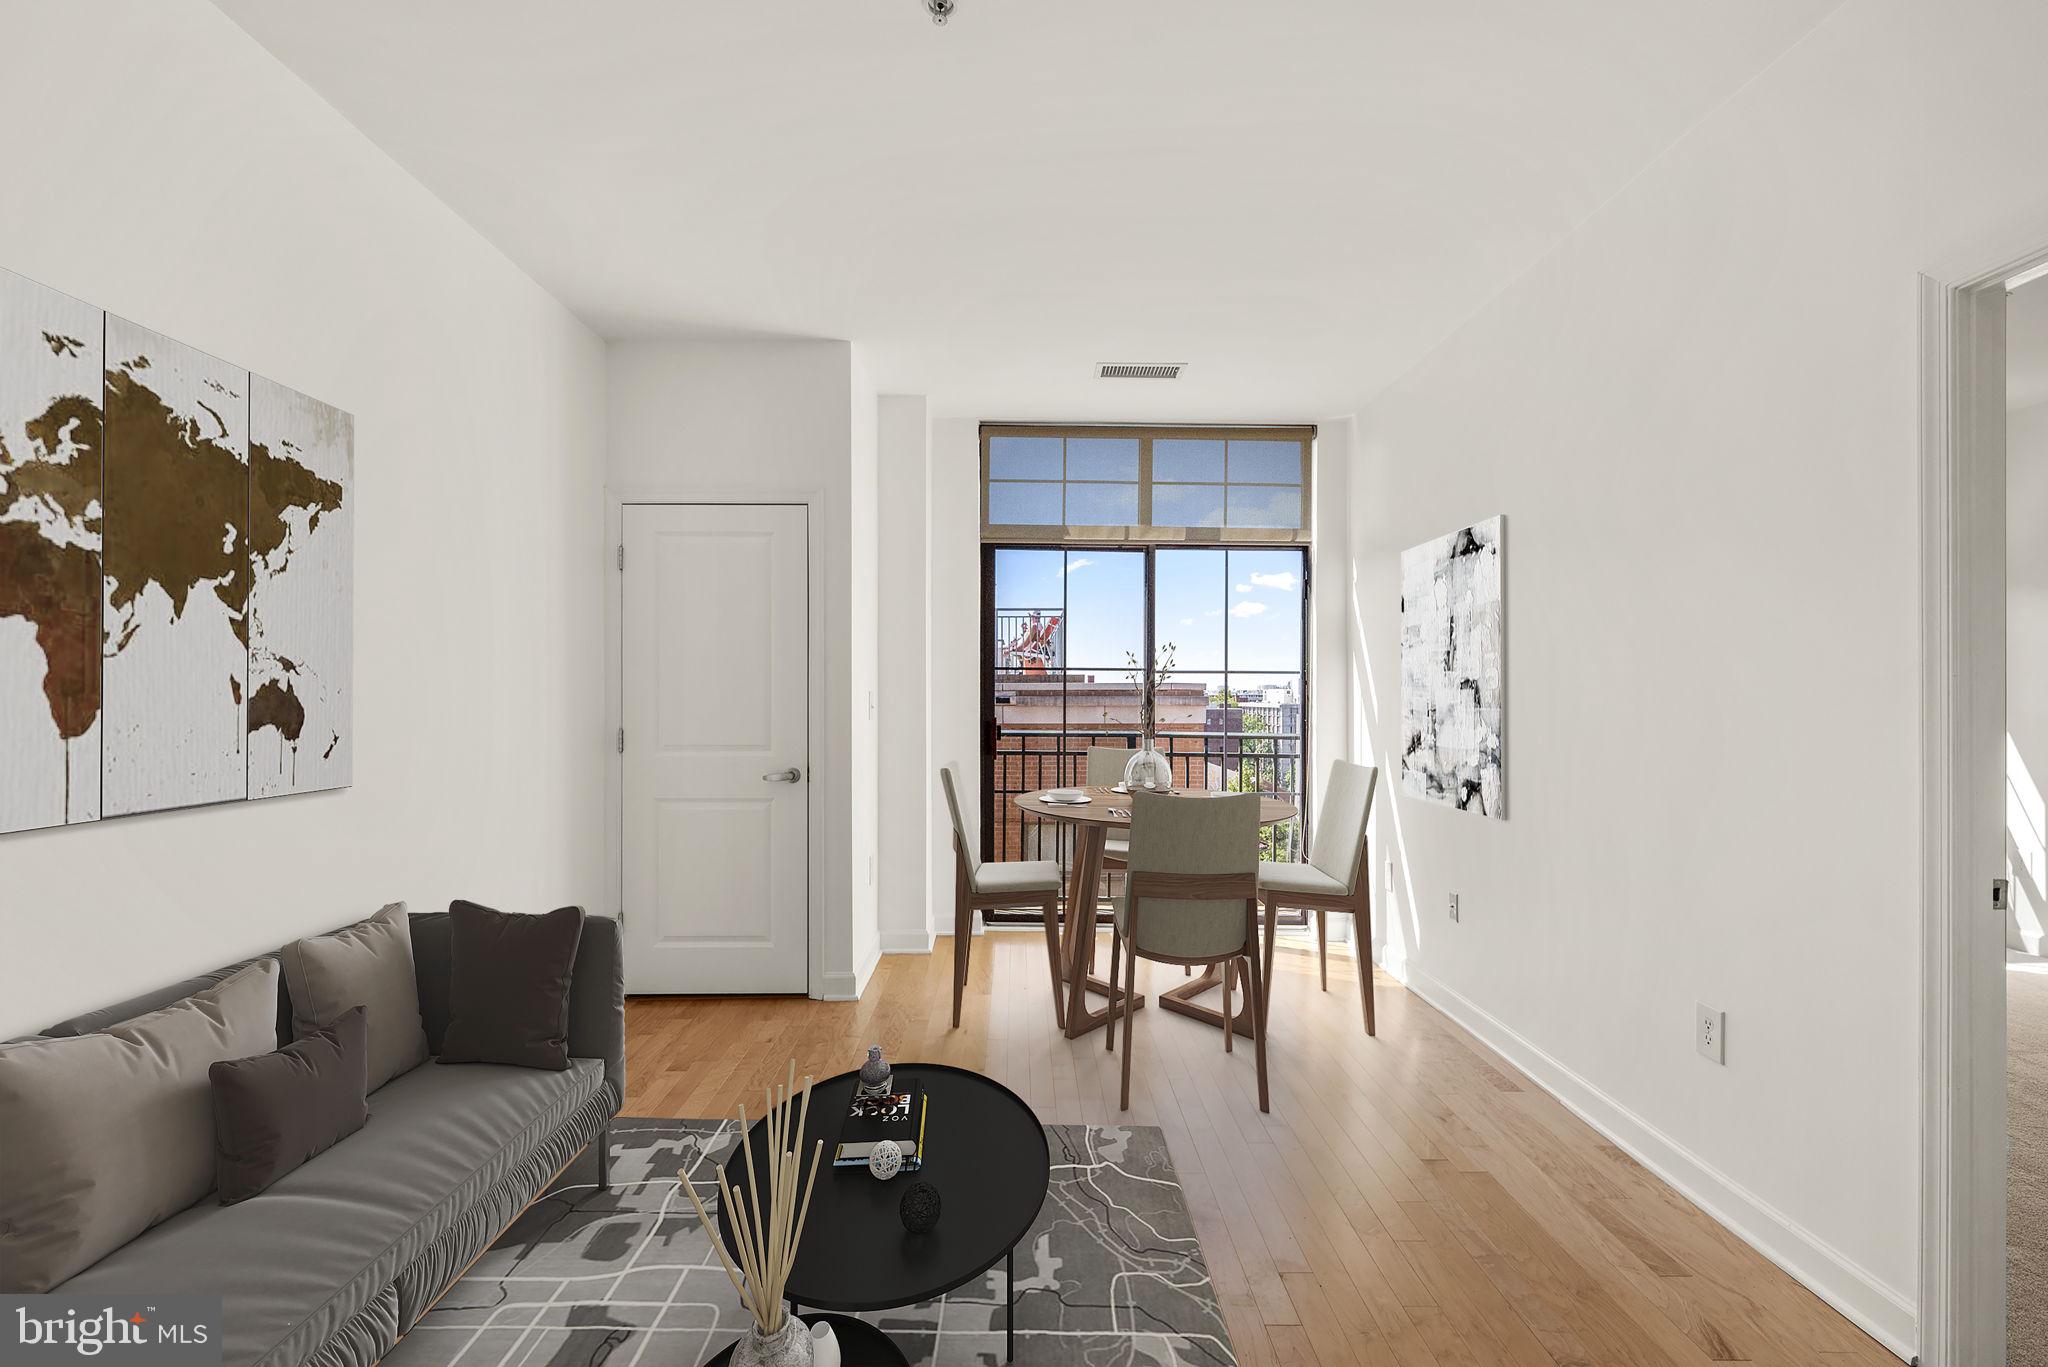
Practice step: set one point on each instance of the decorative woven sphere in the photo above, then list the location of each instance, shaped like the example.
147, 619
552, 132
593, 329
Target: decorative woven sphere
919, 1208
886, 1161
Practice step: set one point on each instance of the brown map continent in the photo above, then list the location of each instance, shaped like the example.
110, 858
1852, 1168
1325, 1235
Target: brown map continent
176, 494
173, 493
274, 704
282, 483
57, 587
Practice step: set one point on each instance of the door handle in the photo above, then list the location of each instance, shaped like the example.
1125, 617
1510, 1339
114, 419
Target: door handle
784, 776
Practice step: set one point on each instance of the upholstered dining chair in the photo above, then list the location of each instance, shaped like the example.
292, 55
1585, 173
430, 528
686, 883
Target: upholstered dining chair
1191, 897
992, 887
1106, 764
1106, 770
1336, 876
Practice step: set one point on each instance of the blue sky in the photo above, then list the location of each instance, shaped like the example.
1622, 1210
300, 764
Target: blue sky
1252, 595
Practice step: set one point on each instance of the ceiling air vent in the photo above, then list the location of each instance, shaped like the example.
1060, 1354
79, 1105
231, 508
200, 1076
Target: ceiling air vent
1117, 370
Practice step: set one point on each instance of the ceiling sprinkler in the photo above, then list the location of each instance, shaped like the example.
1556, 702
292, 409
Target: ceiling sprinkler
941, 10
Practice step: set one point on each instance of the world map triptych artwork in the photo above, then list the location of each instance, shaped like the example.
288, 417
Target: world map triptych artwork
176, 549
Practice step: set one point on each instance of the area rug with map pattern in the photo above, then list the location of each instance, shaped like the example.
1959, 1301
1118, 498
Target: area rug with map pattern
1111, 1275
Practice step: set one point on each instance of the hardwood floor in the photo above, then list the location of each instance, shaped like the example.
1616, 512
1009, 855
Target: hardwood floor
1411, 1200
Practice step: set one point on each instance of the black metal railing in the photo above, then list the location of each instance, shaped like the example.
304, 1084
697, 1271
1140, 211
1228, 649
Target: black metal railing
1028, 760
1030, 640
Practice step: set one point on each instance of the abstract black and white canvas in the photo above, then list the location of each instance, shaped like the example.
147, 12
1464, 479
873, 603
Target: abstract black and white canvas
1452, 654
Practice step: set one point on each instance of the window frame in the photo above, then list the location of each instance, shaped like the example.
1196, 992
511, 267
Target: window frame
1143, 532
987, 799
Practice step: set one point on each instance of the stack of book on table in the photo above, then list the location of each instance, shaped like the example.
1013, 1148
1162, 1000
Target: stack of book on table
899, 1115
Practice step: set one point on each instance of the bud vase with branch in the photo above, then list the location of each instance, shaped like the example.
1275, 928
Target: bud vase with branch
1148, 768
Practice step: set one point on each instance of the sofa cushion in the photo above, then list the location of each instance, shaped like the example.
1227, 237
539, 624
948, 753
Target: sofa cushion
508, 991
274, 1111
163, 996
366, 964
106, 1134
300, 1261
597, 991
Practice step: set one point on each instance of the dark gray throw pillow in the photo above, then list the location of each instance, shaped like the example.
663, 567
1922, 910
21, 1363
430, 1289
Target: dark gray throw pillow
508, 986
274, 1111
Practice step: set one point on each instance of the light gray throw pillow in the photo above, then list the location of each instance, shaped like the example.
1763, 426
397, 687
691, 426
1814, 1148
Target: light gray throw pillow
368, 964
109, 1133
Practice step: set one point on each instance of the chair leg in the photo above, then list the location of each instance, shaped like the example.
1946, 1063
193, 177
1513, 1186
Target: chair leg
1323, 946
1361, 930
1272, 934
1052, 958
963, 936
1130, 977
1259, 1035
1116, 958
1229, 1021
604, 1157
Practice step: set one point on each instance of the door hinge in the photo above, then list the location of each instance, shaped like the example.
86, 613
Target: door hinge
2001, 894
622, 555
622, 740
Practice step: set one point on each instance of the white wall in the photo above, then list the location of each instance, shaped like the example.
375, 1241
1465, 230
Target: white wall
907, 770
1699, 415
955, 550
2026, 551
864, 573
765, 420
169, 170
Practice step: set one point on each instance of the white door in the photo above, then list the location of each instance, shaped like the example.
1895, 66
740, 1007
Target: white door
716, 711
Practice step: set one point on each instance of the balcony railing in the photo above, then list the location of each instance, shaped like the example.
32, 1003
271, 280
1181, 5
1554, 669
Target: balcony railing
1030, 640
1026, 761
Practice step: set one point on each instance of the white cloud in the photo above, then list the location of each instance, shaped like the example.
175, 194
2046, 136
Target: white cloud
1213, 612
1247, 609
1187, 621
1244, 588
1073, 565
1284, 581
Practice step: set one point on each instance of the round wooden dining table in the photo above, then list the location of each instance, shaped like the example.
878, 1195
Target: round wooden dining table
1108, 810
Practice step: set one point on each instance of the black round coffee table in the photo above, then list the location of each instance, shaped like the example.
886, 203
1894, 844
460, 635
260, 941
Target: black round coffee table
988, 1159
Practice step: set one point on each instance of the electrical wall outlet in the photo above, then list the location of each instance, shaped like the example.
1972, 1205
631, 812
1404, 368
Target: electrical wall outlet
1709, 1031
1454, 906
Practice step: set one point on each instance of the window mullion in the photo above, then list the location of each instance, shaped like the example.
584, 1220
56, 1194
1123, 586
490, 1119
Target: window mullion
1145, 484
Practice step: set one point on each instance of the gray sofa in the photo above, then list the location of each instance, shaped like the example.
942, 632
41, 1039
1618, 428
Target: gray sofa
341, 1257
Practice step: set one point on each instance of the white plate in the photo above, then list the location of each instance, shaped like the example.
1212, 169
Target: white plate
1066, 798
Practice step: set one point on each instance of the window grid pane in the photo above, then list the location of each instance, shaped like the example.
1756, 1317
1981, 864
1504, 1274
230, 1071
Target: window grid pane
1152, 483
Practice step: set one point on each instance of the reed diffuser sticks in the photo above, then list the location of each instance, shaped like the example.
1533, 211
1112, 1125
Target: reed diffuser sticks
768, 1225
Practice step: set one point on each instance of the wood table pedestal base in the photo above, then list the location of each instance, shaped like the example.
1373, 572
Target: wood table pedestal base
1078, 942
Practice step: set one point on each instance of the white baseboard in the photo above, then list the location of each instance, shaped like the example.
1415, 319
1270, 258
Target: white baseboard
847, 987
1879, 1310
907, 941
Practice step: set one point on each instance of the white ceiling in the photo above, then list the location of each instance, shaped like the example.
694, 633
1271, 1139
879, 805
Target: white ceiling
2026, 346
1298, 199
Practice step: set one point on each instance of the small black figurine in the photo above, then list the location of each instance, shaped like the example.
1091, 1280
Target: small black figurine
920, 1207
